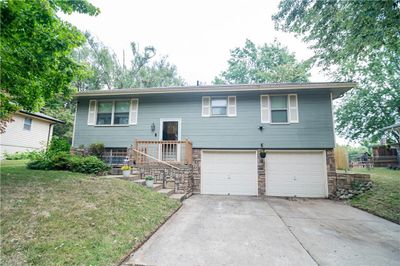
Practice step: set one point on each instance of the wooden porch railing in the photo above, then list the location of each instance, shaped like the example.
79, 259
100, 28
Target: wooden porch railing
173, 151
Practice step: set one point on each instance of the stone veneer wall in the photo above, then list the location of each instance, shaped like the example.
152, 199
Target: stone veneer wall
345, 180
196, 155
180, 180
261, 174
331, 170
341, 180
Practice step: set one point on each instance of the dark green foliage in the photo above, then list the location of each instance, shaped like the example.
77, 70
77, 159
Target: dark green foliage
353, 40
59, 145
66, 161
96, 149
264, 64
61, 161
87, 165
62, 108
366, 110
42, 162
35, 52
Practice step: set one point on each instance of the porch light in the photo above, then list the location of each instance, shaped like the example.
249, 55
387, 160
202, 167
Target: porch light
153, 127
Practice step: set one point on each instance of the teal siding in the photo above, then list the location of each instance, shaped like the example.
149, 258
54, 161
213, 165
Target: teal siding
314, 129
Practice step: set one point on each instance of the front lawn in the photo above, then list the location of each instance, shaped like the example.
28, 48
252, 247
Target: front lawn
59, 217
384, 198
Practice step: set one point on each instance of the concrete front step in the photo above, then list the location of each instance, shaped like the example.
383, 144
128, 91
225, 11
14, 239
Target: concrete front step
131, 177
180, 197
157, 187
140, 182
166, 191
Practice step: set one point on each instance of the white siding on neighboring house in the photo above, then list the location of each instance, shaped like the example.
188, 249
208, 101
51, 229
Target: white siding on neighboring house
18, 139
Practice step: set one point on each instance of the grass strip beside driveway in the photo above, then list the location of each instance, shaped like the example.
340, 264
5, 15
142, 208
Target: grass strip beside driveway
384, 198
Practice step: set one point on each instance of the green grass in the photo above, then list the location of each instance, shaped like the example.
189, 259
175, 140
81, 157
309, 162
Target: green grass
384, 198
58, 218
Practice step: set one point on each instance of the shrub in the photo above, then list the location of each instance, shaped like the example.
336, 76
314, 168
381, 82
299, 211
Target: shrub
60, 160
87, 165
22, 155
41, 162
59, 145
66, 161
96, 149
149, 178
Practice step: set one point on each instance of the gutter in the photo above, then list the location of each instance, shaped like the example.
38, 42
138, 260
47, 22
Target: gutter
221, 88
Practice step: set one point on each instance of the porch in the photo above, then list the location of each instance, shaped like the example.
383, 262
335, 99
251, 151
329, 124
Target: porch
175, 152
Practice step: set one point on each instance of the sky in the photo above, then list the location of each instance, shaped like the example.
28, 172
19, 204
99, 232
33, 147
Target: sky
195, 35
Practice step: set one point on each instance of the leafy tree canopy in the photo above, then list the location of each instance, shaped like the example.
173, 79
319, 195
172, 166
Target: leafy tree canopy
358, 40
107, 72
35, 52
266, 63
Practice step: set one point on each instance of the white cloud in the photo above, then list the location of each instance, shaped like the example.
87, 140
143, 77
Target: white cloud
196, 35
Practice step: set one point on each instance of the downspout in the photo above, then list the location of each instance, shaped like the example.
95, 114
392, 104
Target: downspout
49, 136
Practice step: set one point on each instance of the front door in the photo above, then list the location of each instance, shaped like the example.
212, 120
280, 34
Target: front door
170, 134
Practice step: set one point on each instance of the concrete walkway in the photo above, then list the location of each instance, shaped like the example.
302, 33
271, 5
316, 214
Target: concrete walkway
219, 230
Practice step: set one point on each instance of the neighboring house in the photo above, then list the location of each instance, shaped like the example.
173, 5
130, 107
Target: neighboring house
393, 132
28, 131
216, 134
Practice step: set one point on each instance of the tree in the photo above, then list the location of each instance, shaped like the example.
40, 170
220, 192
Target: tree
35, 52
267, 63
107, 72
63, 109
353, 40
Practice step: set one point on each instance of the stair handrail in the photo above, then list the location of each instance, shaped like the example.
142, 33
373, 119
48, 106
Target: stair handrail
156, 159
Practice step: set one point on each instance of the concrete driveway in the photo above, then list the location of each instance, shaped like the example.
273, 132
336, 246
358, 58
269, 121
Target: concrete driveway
219, 230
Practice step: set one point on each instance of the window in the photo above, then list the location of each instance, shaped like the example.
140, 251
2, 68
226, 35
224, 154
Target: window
113, 113
104, 113
218, 106
27, 123
279, 109
121, 113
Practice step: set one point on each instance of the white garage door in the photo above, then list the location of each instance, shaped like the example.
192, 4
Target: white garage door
229, 172
292, 173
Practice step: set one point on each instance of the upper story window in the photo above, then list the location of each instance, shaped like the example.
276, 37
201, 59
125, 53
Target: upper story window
121, 113
113, 113
27, 123
279, 109
218, 106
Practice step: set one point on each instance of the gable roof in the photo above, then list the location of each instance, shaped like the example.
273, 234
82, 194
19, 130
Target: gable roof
42, 116
336, 88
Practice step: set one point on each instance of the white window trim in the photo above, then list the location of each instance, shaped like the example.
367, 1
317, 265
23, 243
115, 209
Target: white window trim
112, 112
210, 98
287, 109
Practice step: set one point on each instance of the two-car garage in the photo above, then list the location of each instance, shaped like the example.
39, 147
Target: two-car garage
288, 173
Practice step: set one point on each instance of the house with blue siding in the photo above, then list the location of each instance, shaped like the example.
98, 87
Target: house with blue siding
256, 139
